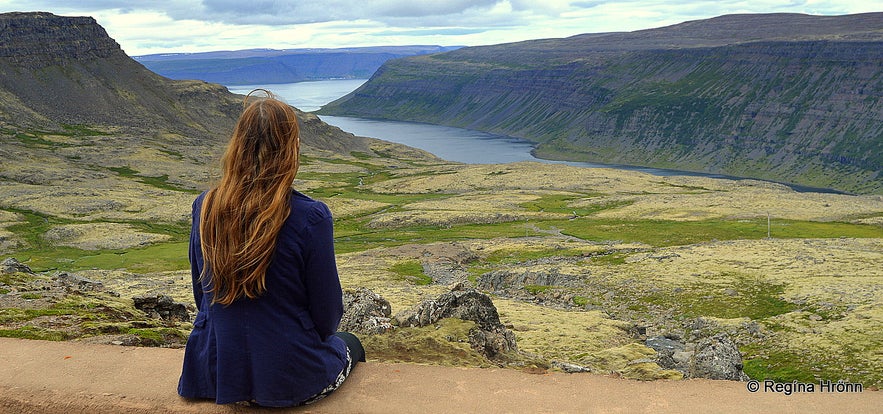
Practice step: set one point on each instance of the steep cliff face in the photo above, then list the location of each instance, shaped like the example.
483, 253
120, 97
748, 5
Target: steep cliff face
67, 70
57, 71
37, 40
785, 97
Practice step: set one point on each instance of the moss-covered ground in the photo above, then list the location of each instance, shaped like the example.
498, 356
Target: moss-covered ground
794, 278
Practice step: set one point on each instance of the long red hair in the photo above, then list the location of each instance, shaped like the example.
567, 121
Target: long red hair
241, 216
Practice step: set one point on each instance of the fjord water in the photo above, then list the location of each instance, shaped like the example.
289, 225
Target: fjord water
452, 144
306, 96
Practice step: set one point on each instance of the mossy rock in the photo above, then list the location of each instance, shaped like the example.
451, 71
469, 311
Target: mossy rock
633, 361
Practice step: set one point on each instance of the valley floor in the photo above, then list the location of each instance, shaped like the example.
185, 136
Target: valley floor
584, 264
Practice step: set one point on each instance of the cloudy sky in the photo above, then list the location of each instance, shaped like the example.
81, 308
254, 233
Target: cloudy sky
163, 26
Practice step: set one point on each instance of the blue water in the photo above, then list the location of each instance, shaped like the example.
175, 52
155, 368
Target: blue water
465, 145
306, 96
452, 144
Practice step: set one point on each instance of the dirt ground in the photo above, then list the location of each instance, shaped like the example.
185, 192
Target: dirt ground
63, 377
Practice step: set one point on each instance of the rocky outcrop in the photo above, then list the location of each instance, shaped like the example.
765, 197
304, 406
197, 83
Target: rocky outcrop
782, 97
11, 265
74, 38
715, 357
162, 306
489, 337
499, 280
365, 312
73, 282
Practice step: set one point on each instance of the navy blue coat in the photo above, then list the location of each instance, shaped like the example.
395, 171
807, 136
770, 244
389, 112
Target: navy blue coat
278, 349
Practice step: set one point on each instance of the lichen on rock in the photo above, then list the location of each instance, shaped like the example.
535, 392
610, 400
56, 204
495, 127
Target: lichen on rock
365, 312
490, 337
713, 357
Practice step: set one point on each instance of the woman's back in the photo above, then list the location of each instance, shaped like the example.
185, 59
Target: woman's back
264, 277
272, 349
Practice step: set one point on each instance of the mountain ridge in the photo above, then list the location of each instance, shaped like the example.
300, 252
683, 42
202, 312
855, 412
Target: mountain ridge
67, 70
800, 105
261, 66
58, 73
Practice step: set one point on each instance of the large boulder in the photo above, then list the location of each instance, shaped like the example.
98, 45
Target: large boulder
717, 357
489, 337
10, 265
365, 312
714, 357
162, 306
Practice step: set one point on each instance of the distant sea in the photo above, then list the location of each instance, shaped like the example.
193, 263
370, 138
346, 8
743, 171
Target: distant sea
452, 144
306, 96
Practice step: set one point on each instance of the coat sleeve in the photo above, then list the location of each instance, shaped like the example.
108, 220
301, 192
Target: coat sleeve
195, 254
322, 281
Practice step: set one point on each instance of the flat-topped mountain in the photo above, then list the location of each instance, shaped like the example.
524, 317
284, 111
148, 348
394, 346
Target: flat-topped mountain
57, 72
263, 66
67, 70
786, 97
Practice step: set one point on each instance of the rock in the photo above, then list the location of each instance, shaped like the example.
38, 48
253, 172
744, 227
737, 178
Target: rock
162, 306
637, 331
492, 344
365, 312
715, 357
661, 343
666, 348
445, 271
78, 283
10, 265
501, 280
570, 368
700, 327
490, 337
753, 328
467, 304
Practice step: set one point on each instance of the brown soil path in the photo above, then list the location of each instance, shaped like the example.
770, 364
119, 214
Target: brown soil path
67, 377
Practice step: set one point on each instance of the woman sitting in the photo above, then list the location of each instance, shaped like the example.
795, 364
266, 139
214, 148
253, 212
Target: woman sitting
264, 276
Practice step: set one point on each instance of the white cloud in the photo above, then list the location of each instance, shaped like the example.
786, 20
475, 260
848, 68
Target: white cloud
159, 26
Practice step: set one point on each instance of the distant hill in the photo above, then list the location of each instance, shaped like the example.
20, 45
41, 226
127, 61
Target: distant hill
67, 70
258, 66
786, 97
58, 73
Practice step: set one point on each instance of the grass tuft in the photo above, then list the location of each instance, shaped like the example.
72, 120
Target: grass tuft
412, 272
